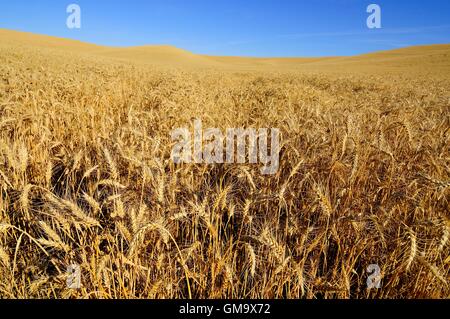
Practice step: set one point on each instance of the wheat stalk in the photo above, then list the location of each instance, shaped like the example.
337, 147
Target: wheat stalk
252, 258
413, 248
55, 239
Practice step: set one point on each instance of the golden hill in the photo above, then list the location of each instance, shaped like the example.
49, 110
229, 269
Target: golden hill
433, 59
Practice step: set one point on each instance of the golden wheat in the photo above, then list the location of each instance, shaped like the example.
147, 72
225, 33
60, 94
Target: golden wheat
86, 176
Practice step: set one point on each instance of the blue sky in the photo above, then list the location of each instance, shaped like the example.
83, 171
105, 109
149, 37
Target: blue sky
239, 27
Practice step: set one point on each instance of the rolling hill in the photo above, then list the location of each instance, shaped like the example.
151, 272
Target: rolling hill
433, 59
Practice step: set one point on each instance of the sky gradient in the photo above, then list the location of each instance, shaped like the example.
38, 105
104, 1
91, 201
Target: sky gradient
239, 27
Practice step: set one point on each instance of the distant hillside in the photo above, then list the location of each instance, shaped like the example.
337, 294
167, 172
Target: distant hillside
430, 59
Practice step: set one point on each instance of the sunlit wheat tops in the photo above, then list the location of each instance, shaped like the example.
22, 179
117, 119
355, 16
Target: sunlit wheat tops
86, 176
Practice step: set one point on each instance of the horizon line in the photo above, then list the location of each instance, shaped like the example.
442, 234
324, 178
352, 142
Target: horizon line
211, 55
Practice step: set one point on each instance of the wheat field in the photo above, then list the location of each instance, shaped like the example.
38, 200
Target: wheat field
86, 176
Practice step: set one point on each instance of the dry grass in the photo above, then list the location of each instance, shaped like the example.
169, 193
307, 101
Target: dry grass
85, 177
